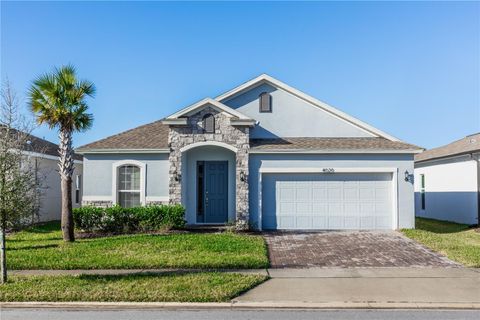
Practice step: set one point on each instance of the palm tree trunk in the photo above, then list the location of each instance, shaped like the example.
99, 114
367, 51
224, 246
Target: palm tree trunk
66, 170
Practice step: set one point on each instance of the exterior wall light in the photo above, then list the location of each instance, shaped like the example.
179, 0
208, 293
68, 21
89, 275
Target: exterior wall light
407, 175
242, 176
178, 176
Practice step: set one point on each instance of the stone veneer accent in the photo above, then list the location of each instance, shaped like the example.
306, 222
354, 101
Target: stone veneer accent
98, 203
156, 203
237, 136
107, 203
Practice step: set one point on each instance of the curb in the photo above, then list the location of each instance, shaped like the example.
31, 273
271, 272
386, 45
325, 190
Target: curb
242, 305
73, 272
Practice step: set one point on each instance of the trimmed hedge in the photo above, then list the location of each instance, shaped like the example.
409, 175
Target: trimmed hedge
119, 220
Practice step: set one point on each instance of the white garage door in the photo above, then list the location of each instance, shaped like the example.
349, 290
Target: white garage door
327, 201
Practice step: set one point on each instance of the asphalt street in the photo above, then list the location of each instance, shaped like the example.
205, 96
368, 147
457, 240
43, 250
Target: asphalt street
129, 314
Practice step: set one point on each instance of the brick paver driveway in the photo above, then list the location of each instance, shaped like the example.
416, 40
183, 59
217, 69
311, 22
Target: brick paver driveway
347, 249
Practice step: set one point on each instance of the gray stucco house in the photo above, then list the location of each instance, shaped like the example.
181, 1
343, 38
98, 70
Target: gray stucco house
264, 155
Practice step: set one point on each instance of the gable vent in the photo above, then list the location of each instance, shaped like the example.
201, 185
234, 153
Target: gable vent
209, 123
265, 100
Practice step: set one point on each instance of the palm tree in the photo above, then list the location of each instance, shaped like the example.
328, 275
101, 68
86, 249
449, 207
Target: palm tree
58, 100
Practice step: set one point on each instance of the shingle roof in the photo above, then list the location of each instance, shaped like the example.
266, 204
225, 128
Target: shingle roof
43, 146
317, 143
468, 144
155, 136
149, 136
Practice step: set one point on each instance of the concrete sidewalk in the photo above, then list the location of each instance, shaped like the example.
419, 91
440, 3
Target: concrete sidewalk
318, 288
378, 286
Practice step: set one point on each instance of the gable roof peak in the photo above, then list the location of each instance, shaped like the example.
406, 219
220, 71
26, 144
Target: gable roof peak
202, 103
309, 99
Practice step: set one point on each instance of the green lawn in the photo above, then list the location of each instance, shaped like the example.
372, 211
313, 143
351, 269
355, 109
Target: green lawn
42, 247
192, 287
456, 241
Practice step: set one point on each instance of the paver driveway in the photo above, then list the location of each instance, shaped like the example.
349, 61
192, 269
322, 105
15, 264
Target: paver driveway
347, 249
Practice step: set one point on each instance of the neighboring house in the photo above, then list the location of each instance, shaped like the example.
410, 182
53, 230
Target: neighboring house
263, 154
44, 155
447, 181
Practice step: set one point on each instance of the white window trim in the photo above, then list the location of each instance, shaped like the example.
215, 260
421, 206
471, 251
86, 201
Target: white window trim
392, 170
143, 179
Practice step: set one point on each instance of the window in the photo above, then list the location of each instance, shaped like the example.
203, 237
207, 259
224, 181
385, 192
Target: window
265, 102
209, 123
422, 190
128, 186
78, 184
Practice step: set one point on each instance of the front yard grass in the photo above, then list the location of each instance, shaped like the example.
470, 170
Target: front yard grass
457, 241
191, 287
42, 247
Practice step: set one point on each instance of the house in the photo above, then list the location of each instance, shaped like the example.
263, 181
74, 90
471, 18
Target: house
263, 154
447, 181
44, 157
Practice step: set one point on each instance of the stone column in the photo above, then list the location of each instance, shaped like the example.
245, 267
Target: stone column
241, 192
175, 171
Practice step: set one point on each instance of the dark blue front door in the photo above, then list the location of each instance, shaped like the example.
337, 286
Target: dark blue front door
216, 192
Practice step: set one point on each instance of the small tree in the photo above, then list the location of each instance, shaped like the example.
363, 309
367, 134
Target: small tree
58, 100
18, 178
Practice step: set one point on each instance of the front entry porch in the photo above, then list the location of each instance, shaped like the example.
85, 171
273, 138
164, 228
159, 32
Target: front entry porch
208, 182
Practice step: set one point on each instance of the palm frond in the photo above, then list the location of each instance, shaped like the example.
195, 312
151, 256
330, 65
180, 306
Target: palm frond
58, 99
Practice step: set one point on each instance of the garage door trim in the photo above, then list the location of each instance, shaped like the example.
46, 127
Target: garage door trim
330, 171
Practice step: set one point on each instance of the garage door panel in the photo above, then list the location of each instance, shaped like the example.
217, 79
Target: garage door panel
350, 194
367, 208
366, 193
319, 208
327, 201
367, 222
304, 222
286, 192
319, 193
351, 208
335, 223
352, 222
335, 209
286, 208
319, 222
303, 207
286, 222
304, 192
383, 222
334, 193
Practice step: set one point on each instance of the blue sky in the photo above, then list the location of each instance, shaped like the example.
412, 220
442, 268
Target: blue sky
410, 69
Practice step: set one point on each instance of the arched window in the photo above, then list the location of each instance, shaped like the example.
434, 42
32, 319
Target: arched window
209, 123
128, 186
265, 102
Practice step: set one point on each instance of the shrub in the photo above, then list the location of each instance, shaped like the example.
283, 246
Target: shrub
87, 218
118, 220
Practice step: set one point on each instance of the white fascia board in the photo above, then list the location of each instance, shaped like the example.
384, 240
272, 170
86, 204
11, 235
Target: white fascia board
110, 151
217, 104
320, 104
327, 170
241, 122
46, 156
346, 151
180, 121
445, 159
